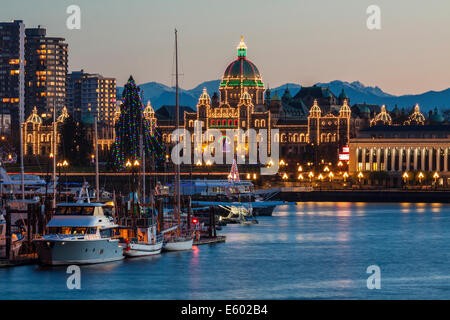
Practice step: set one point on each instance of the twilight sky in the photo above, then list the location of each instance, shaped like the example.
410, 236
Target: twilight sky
301, 41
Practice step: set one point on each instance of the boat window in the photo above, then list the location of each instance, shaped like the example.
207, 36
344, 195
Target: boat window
75, 211
70, 230
106, 233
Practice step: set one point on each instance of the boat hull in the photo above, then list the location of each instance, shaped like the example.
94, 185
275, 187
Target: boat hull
60, 252
143, 249
178, 245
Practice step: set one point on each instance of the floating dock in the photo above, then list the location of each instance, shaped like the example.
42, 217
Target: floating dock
209, 240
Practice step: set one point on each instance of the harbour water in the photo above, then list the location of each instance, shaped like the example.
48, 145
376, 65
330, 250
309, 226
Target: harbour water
305, 251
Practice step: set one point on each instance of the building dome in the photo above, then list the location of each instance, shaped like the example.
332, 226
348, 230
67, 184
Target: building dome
382, 118
364, 109
34, 117
204, 98
315, 111
416, 118
345, 110
436, 117
242, 71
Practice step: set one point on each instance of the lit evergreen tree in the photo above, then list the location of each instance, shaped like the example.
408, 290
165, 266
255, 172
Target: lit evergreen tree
129, 127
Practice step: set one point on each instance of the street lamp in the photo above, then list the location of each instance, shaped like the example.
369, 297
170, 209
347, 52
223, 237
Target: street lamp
331, 175
420, 176
300, 177
345, 176
360, 176
300, 169
310, 176
285, 176
326, 169
435, 176
405, 177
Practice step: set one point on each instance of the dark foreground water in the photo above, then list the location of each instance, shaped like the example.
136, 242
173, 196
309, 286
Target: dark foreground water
308, 250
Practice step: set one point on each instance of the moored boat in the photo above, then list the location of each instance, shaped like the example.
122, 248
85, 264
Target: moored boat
16, 240
79, 233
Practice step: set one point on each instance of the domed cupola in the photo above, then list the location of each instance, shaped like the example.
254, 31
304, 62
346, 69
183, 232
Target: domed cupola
436, 117
204, 98
34, 117
382, 118
240, 74
315, 111
345, 110
416, 118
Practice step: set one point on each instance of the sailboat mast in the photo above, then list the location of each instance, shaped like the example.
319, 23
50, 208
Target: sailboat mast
97, 181
177, 106
54, 155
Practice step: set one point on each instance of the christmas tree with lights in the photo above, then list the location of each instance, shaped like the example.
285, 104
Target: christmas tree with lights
129, 127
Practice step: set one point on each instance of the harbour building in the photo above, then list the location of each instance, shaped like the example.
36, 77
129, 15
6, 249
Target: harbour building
45, 71
12, 69
91, 94
419, 145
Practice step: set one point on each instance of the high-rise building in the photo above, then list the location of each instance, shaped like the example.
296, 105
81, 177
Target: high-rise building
46, 71
12, 41
91, 95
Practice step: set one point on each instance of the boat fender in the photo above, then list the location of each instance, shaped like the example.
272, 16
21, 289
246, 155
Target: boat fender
128, 245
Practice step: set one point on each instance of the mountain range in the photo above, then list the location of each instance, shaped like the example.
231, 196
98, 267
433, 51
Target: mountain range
160, 94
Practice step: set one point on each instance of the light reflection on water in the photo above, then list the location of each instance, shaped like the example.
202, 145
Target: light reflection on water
306, 250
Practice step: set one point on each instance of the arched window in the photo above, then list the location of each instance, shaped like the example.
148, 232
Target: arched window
236, 122
164, 137
329, 137
191, 123
43, 138
302, 137
224, 122
263, 123
323, 137
295, 137
283, 137
256, 123
230, 123
30, 138
212, 123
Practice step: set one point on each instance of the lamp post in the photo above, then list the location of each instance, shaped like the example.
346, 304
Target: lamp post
345, 176
420, 176
65, 165
435, 176
405, 177
331, 176
310, 176
59, 165
132, 165
360, 176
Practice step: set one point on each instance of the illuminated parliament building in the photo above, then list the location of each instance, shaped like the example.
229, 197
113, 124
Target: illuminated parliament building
314, 116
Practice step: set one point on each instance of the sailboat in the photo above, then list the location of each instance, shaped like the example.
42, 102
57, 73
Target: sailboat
177, 241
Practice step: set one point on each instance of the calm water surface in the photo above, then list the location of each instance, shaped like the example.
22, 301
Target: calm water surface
306, 250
